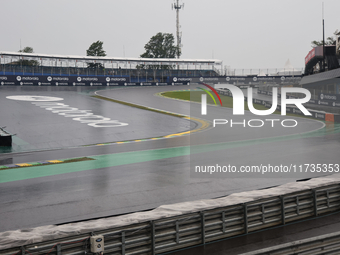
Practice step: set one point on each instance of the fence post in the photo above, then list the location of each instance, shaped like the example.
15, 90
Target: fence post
315, 202
203, 227
123, 243
283, 210
58, 249
297, 205
328, 198
263, 215
23, 250
153, 238
223, 221
177, 232
245, 217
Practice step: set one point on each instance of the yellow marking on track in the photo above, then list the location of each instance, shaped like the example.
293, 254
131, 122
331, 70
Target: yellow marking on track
204, 124
23, 164
54, 161
178, 134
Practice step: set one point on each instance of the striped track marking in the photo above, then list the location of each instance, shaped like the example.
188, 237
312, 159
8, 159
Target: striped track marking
47, 162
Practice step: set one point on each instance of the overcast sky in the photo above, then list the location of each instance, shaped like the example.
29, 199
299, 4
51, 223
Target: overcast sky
242, 33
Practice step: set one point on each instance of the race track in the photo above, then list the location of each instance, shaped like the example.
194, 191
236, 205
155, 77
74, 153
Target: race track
137, 175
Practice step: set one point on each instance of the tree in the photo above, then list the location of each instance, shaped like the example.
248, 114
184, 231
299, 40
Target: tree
329, 41
96, 49
27, 50
161, 45
28, 62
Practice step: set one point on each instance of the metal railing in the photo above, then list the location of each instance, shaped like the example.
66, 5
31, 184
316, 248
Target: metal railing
263, 71
100, 71
169, 234
325, 244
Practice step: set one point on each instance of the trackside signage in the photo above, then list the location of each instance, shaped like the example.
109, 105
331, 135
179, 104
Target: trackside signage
56, 80
330, 97
239, 80
126, 80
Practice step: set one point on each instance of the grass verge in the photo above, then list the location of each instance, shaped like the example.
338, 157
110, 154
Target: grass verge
140, 106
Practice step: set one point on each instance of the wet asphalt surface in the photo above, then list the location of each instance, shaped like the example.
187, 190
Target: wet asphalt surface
41, 129
138, 186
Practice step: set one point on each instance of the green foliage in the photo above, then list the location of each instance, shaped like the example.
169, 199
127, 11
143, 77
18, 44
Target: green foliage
27, 50
27, 62
160, 45
96, 49
195, 96
329, 41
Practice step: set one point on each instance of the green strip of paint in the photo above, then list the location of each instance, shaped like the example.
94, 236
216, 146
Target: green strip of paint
101, 161
18, 141
117, 159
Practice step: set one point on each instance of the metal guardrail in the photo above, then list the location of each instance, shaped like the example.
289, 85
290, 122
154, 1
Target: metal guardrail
262, 71
107, 71
169, 234
324, 244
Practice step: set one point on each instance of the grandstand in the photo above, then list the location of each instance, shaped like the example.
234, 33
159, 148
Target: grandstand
134, 70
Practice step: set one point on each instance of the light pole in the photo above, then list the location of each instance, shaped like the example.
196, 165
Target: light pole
177, 7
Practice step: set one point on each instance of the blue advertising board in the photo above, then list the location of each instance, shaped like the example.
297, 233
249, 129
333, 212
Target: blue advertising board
54, 80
